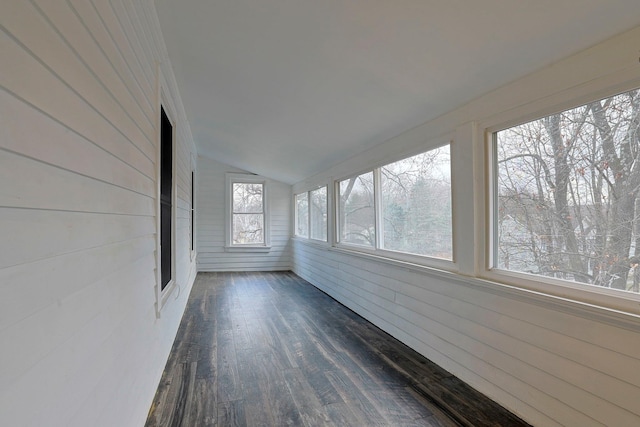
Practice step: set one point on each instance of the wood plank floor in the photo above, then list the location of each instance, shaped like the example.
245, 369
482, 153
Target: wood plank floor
269, 349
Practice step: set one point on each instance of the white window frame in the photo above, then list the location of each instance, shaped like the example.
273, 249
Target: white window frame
327, 212
296, 213
165, 103
194, 242
338, 222
233, 178
593, 296
386, 255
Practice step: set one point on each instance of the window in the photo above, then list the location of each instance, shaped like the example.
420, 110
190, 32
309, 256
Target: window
193, 211
566, 191
416, 205
248, 213
166, 198
357, 210
318, 214
403, 207
311, 214
248, 224
302, 215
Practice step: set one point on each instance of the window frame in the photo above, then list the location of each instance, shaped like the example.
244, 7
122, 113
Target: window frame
296, 216
326, 225
338, 222
239, 178
308, 237
193, 213
388, 255
166, 178
593, 296
165, 104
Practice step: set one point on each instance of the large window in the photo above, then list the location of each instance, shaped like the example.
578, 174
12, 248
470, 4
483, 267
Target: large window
403, 207
311, 214
416, 204
248, 219
567, 188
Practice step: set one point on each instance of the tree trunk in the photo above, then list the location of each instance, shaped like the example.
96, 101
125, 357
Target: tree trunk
563, 214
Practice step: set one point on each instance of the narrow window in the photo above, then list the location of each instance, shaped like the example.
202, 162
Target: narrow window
318, 214
302, 214
357, 210
166, 197
248, 213
193, 210
567, 195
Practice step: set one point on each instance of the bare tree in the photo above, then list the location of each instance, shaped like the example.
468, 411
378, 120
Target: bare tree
415, 206
568, 191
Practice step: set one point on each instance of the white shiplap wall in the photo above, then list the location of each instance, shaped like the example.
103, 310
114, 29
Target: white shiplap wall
550, 366
210, 220
80, 342
553, 361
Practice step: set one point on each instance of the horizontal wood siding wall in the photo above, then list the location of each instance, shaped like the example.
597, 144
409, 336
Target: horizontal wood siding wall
551, 367
210, 220
548, 359
80, 341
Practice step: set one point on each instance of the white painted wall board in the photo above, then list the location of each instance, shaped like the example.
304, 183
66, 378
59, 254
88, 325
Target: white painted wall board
45, 43
579, 354
78, 193
67, 358
71, 150
527, 361
95, 24
79, 37
22, 293
134, 36
46, 92
39, 234
36, 186
123, 44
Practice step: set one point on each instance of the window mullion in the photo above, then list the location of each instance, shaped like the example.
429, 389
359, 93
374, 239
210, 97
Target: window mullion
377, 204
308, 214
492, 262
337, 214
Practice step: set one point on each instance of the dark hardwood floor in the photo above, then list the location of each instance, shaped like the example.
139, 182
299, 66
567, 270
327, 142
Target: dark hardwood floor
269, 349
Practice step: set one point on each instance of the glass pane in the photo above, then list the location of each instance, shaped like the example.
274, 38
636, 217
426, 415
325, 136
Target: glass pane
247, 197
357, 213
319, 214
416, 204
302, 215
567, 189
248, 229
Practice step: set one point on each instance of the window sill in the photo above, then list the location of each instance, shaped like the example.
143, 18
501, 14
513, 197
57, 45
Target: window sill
597, 298
621, 313
399, 259
247, 248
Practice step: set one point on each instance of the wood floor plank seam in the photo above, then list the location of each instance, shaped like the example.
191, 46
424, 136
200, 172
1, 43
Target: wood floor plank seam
270, 349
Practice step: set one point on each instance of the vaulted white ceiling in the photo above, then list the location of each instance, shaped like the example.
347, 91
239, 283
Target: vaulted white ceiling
288, 88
